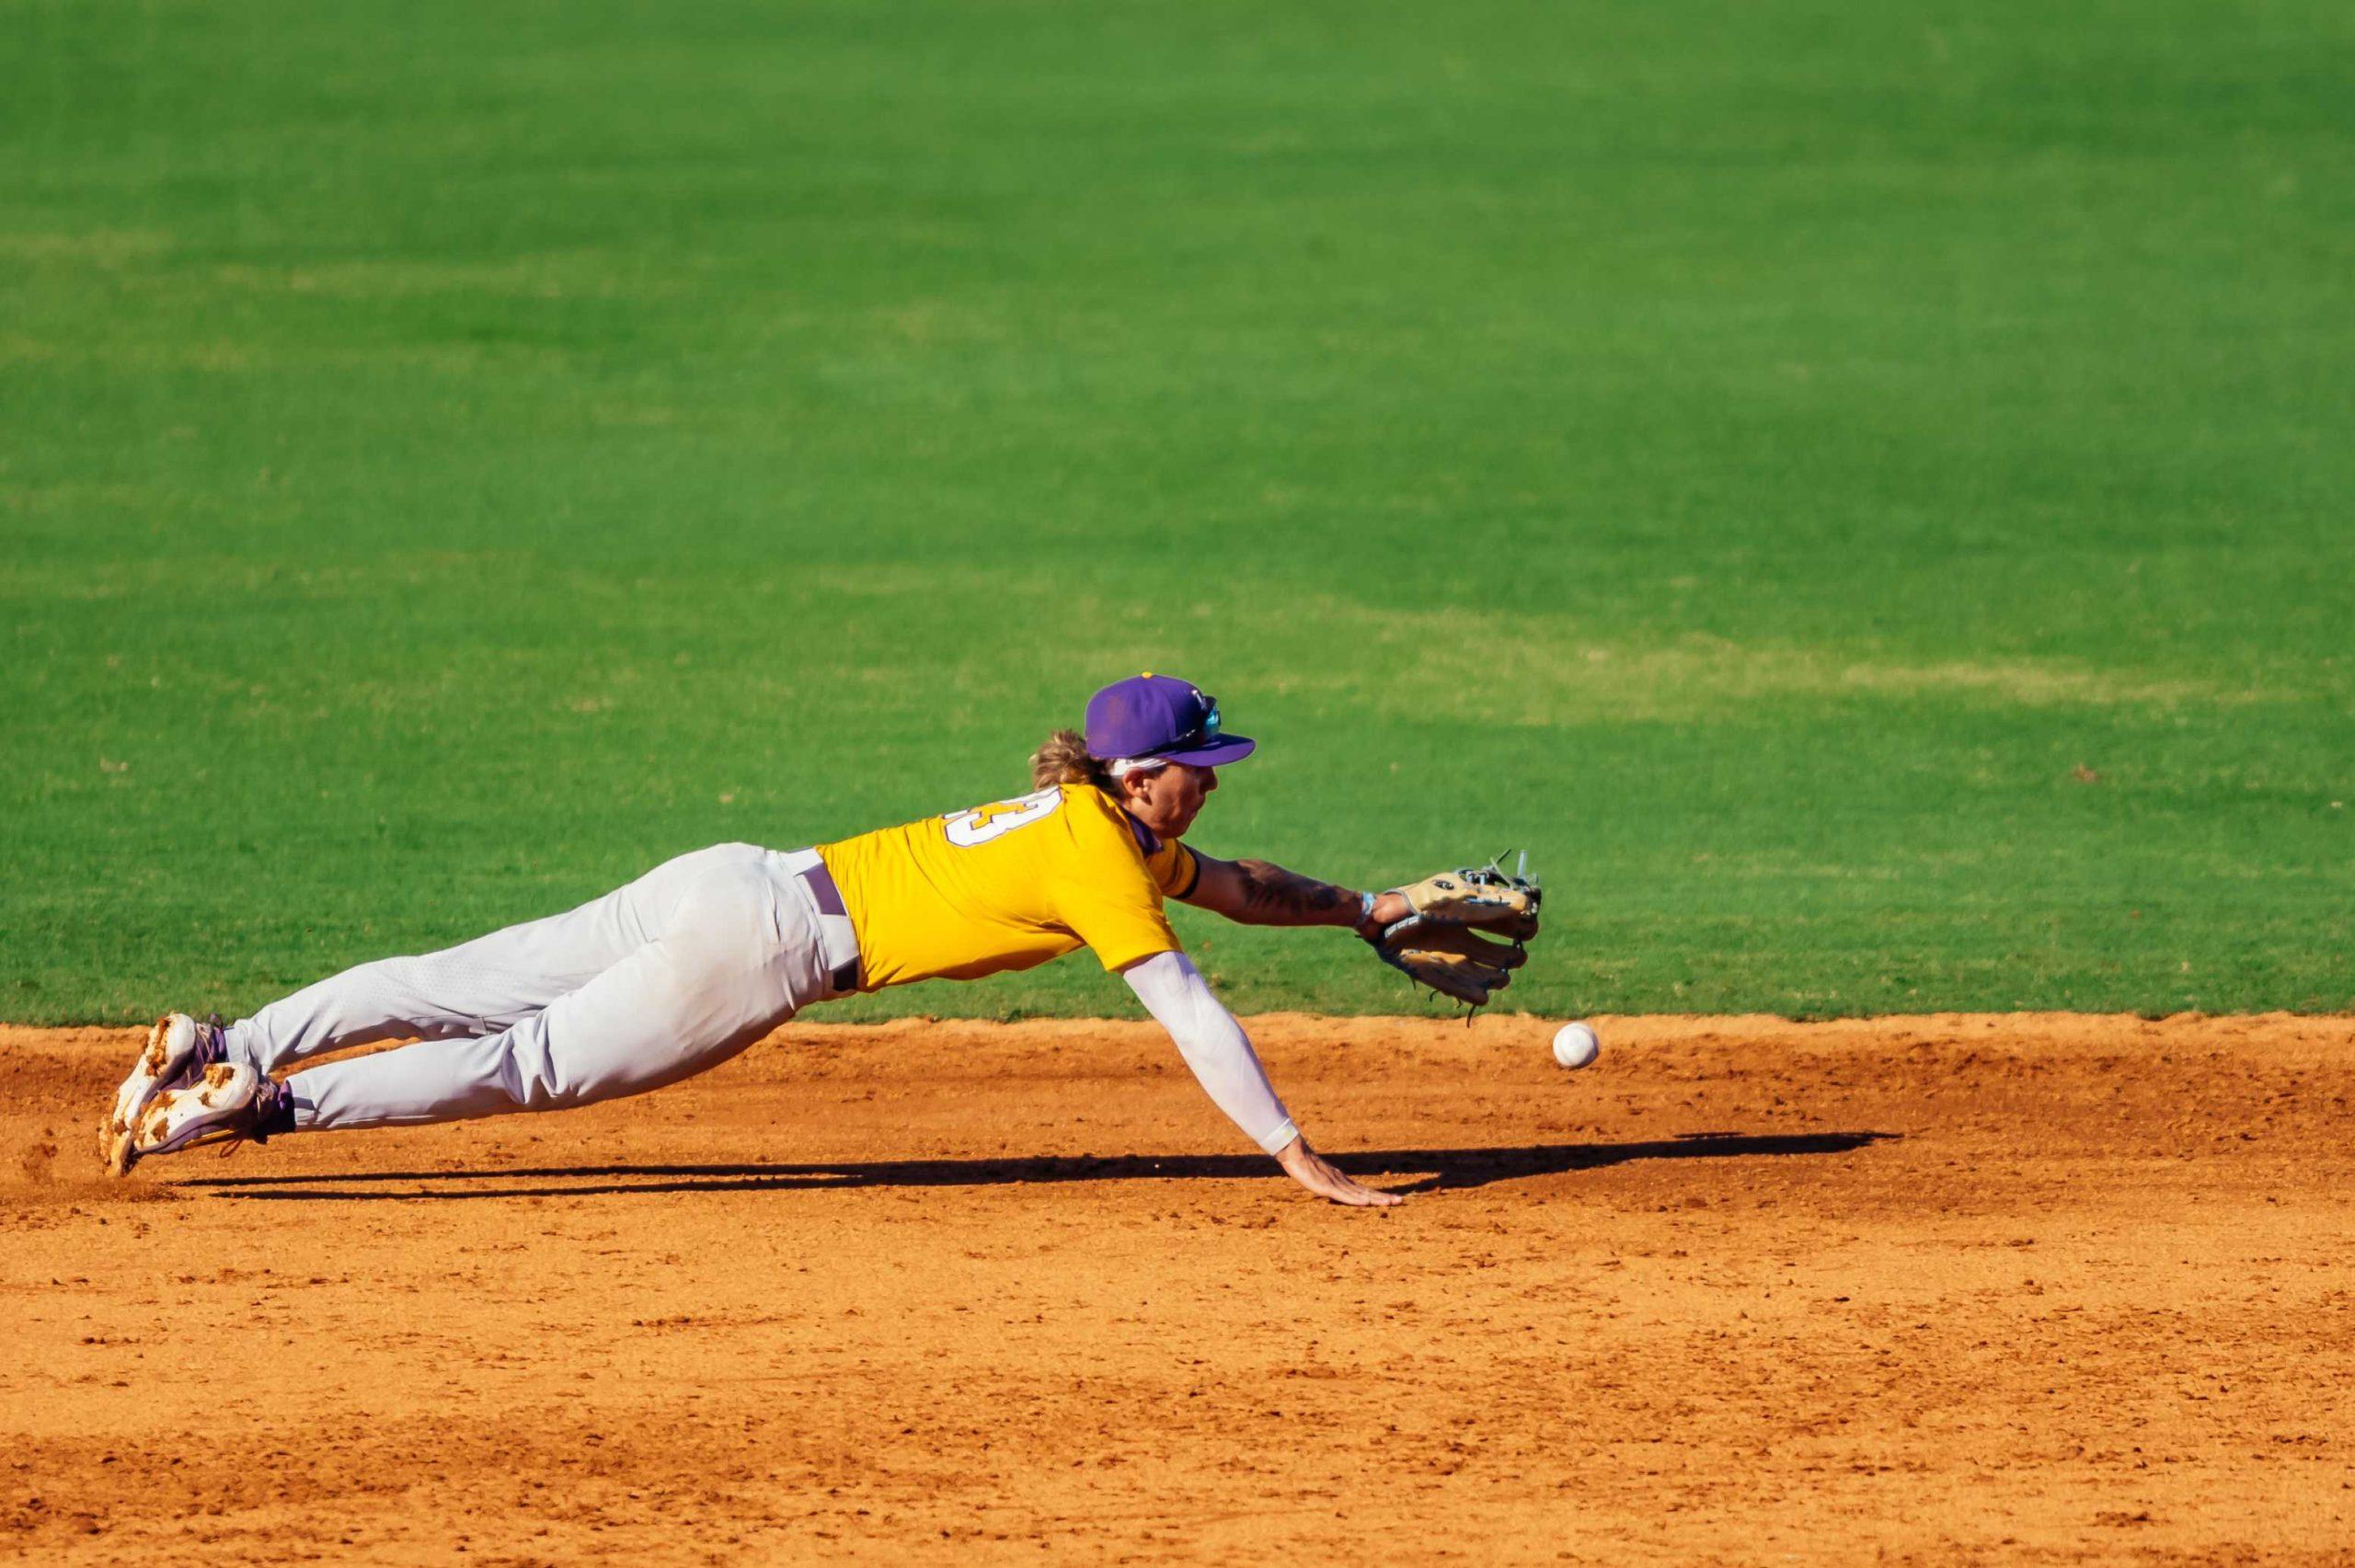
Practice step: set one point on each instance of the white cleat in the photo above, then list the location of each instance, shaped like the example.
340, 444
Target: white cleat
178, 1049
225, 1101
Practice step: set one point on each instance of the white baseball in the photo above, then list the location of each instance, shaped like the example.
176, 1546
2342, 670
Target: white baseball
1576, 1045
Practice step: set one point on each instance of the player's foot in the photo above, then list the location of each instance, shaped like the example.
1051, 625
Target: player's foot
176, 1052
229, 1099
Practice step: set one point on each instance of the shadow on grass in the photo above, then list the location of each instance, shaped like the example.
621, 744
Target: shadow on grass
1439, 1169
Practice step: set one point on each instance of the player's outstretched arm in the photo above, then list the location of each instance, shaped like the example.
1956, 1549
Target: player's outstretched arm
1259, 892
1222, 1062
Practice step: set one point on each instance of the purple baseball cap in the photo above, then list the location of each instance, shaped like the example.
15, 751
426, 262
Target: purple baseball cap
1160, 715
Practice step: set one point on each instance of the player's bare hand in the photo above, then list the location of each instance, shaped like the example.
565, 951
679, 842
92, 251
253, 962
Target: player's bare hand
1327, 1181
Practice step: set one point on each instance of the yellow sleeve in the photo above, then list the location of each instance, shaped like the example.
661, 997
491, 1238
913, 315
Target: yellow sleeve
1105, 892
1120, 917
1175, 869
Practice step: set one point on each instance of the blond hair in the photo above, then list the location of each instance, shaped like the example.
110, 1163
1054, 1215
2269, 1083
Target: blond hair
1065, 759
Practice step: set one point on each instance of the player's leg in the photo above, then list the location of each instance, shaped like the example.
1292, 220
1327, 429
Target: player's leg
738, 954
477, 988
481, 987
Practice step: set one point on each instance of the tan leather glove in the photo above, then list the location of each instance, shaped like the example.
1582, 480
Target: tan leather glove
1449, 941
1454, 960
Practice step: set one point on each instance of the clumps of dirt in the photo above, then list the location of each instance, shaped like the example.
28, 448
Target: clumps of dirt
37, 1161
48, 1167
46, 1176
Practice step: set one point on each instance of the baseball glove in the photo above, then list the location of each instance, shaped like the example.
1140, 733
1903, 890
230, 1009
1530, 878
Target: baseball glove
1448, 940
1454, 960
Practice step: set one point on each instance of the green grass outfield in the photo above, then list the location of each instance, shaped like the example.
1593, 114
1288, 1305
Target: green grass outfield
1862, 493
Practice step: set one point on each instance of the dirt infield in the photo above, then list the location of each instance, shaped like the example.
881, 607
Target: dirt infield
2026, 1287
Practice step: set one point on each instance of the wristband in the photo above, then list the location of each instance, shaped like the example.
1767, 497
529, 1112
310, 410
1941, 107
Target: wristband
1365, 909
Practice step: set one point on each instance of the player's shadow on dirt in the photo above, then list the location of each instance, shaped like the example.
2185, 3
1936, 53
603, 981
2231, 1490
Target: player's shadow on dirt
1437, 1170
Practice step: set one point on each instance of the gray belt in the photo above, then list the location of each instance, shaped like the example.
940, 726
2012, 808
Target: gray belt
836, 935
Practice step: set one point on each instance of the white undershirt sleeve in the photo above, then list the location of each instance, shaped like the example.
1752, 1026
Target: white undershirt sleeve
1213, 1045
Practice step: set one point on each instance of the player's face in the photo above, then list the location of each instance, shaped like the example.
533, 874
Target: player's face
1167, 799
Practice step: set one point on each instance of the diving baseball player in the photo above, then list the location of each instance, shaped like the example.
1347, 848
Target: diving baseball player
704, 954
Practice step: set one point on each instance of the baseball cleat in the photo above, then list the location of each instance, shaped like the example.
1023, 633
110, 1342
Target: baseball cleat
228, 1100
177, 1049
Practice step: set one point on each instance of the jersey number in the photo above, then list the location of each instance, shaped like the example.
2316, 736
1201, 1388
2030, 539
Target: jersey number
983, 823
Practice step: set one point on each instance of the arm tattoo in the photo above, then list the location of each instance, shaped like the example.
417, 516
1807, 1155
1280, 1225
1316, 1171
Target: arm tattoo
1272, 895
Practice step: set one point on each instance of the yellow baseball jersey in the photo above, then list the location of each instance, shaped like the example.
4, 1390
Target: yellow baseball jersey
1008, 886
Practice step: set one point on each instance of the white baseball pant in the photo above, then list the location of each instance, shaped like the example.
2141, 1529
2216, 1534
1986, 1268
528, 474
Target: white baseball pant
654, 982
